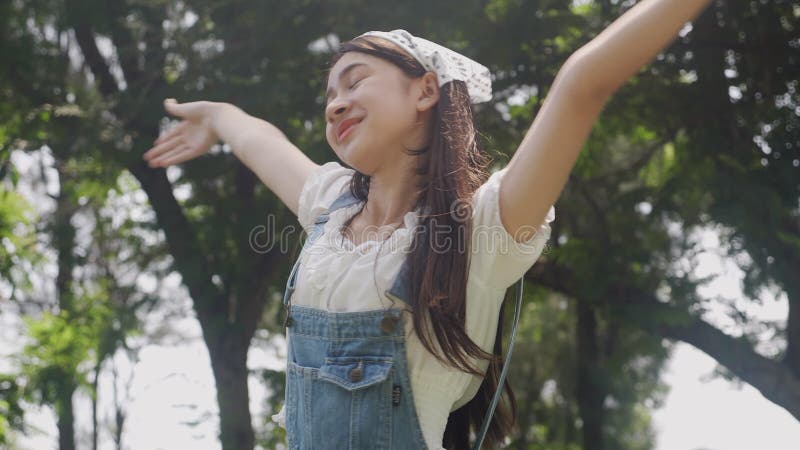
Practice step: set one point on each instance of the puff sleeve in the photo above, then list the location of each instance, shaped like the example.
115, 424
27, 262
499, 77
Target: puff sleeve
497, 259
321, 188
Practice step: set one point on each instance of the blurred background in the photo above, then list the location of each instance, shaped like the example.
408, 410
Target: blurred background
135, 312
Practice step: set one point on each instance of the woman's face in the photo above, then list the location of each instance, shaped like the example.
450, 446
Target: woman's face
372, 111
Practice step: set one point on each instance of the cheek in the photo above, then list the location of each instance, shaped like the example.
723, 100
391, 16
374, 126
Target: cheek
389, 111
399, 118
329, 134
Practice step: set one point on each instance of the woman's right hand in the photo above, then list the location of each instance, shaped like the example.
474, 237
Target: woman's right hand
191, 138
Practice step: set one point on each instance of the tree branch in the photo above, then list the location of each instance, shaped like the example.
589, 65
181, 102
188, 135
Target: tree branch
773, 379
97, 64
183, 243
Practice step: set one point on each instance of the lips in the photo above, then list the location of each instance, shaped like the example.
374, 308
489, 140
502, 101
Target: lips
343, 128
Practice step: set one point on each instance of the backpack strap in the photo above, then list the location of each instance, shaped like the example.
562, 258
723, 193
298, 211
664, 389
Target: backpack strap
503, 373
401, 289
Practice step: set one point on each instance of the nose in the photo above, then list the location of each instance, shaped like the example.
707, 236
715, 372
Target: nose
335, 109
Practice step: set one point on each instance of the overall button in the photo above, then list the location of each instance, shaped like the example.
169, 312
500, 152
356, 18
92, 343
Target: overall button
356, 373
387, 324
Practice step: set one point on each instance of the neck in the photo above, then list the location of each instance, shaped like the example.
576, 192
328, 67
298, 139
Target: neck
392, 193
393, 187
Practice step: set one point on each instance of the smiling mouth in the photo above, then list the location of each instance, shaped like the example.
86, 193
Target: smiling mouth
348, 131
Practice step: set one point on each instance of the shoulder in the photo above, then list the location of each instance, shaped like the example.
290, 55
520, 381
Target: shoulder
321, 188
486, 210
497, 258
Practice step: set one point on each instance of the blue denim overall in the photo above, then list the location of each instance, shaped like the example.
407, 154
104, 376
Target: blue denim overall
347, 380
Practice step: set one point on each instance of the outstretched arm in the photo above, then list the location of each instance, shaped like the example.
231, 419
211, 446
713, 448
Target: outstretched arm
262, 147
265, 150
538, 171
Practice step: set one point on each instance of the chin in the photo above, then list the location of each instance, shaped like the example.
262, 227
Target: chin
359, 155
364, 163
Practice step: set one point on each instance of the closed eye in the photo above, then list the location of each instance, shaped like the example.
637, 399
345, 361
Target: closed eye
328, 100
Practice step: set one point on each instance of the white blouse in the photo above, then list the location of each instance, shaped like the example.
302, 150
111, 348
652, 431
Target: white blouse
333, 272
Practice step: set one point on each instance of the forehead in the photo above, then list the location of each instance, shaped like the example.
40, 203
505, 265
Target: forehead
350, 59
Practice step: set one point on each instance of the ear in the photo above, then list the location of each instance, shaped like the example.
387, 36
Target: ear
428, 91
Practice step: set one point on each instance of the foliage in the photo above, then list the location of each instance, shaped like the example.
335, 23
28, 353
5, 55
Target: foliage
11, 412
705, 136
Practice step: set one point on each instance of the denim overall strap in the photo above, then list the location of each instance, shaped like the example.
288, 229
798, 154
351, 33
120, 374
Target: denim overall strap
400, 287
343, 201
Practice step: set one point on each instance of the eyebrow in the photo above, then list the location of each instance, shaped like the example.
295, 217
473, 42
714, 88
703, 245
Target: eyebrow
341, 75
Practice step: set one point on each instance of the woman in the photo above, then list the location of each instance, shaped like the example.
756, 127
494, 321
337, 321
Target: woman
362, 372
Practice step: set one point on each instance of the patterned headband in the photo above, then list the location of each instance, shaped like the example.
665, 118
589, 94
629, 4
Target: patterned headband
447, 64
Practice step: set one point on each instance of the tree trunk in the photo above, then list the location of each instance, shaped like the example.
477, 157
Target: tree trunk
65, 416
229, 363
94, 405
792, 287
590, 387
793, 336
64, 242
119, 410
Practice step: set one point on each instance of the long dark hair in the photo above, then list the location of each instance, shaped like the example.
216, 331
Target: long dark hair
453, 167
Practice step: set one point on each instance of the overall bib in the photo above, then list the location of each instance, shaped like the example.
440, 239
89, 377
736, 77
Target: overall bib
347, 381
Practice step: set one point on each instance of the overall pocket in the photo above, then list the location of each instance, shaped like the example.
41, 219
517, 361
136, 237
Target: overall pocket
352, 401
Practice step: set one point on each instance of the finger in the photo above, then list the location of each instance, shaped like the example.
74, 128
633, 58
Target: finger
155, 162
162, 148
180, 109
183, 153
180, 148
171, 132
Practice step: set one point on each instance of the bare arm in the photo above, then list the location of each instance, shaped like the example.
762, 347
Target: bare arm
262, 147
539, 169
265, 150
633, 41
